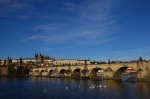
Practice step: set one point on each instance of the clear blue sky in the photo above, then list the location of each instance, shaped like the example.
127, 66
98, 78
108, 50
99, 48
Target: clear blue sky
75, 29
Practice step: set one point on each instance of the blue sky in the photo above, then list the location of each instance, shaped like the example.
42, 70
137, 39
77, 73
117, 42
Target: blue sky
75, 29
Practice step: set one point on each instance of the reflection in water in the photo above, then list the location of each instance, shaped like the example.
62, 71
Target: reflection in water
56, 88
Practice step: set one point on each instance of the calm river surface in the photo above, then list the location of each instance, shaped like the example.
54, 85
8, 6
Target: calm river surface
57, 88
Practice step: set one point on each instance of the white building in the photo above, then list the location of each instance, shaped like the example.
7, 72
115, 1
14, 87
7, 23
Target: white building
66, 62
27, 60
71, 62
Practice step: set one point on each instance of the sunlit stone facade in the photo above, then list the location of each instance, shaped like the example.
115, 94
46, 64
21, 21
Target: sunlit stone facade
71, 62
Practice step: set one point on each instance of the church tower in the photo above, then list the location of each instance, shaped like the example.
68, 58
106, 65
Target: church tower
38, 57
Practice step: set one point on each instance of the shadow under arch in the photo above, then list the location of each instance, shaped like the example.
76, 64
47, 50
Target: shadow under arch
93, 73
52, 72
76, 73
62, 71
43, 71
118, 73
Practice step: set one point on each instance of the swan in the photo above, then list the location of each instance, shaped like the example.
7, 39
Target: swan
66, 87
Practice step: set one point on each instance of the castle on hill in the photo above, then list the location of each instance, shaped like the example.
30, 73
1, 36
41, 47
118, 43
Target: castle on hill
44, 60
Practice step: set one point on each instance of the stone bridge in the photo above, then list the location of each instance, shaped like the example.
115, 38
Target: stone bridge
109, 70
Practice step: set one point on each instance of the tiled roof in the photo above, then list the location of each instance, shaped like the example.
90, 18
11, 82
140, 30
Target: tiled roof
3, 65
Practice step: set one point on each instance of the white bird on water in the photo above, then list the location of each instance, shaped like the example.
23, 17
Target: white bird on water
100, 86
66, 87
92, 86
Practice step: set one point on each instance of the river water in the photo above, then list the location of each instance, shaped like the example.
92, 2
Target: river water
66, 88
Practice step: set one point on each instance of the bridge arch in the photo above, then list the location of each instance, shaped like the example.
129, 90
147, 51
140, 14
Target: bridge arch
52, 71
120, 71
36, 70
42, 70
93, 72
62, 71
76, 73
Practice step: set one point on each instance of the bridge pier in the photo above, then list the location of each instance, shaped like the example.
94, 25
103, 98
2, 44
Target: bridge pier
45, 73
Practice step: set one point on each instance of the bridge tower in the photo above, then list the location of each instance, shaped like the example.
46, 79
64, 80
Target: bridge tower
140, 64
9, 60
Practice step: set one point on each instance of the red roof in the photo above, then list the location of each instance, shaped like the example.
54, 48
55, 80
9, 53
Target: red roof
3, 66
129, 70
